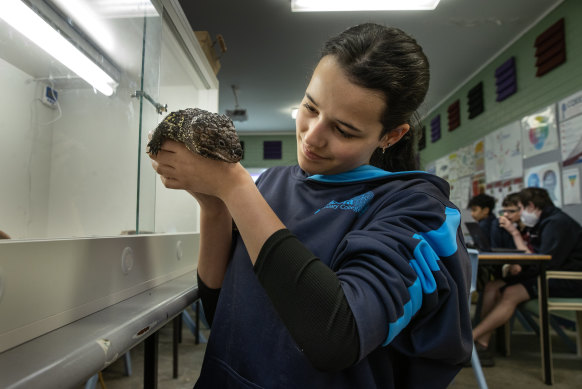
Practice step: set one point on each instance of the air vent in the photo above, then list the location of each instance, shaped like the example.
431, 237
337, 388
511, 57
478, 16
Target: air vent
550, 48
435, 128
272, 149
422, 138
454, 115
475, 101
506, 79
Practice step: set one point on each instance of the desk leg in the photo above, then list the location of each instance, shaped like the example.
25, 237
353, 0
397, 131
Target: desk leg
545, 341
175, 341
150, 373
197, 335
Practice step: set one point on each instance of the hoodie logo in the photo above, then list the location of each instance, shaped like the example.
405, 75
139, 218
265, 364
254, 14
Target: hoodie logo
358, 204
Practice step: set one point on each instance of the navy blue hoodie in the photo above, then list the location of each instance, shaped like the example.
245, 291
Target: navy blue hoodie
394, 241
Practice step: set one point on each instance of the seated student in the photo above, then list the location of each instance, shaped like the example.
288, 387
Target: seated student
501, 238
481, 207
552, 232
510, 216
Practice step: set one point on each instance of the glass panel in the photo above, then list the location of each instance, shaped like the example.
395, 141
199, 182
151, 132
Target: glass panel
180, 87
70, 153
151, 111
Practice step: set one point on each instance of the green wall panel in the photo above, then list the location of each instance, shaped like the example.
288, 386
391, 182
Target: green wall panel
254, 150
533, 93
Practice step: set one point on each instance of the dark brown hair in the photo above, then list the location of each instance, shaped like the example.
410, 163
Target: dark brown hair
388, 60
539, 197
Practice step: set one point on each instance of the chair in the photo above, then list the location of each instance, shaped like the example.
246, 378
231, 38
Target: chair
475, 362
194, 326
562, 310
527, 314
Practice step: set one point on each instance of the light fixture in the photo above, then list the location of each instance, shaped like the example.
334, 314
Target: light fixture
31, 25
361, 5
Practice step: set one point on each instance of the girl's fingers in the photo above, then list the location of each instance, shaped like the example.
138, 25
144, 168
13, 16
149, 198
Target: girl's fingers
172, 146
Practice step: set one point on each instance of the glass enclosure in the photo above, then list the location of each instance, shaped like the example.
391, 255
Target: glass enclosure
72, 155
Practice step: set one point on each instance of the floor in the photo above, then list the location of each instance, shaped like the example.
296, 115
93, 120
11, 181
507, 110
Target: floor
520, 370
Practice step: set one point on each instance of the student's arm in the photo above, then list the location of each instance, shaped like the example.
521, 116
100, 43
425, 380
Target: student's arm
515, 234
215, 240
329, 336
230, 182
214, 250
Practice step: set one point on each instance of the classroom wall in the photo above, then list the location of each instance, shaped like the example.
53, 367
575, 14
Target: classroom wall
253, 144
25, 154
533, 93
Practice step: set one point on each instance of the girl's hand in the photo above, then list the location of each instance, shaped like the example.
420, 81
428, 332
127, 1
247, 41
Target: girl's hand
179, 168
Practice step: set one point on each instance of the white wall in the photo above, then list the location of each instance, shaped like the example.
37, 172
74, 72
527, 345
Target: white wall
94, 164
24, 154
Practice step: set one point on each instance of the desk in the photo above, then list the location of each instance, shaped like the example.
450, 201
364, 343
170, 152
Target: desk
540, 260
68, 356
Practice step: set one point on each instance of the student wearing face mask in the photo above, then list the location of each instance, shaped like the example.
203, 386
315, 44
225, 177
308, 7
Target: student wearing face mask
552, 232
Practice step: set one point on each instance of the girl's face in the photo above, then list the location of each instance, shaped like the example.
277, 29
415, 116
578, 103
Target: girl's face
338, 124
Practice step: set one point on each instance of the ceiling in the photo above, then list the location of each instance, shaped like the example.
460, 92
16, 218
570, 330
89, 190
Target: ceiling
272, 51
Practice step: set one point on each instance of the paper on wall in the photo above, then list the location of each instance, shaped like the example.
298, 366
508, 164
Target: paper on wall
539, 132
571, 186
503, 158
546, 176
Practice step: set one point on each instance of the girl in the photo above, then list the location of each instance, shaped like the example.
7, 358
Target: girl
348, 270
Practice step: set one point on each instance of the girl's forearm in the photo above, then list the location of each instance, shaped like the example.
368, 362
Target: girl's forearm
215, 244
253, 216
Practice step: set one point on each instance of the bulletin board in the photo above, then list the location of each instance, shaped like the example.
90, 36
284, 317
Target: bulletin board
542, 149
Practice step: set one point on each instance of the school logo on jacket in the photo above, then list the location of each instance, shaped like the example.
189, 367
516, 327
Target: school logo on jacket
358, 204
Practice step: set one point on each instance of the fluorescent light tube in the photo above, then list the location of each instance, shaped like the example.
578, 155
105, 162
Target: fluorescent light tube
361, 5
31, 25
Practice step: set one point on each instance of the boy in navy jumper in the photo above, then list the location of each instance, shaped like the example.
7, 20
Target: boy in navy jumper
482, 206
348, 270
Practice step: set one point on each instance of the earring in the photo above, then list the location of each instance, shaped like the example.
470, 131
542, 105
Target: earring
385, 147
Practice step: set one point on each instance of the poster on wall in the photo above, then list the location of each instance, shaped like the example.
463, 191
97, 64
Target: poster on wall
571, 186
479, 155
460, 188
571, 140
546, 176
478, 184
442, 167
430, 167
462, 162
500, 189
503, 153
569, 107
539, 132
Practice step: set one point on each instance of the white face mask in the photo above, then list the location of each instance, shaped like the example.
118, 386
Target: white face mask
530, 219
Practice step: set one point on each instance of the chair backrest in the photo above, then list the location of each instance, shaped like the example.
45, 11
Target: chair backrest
474, 255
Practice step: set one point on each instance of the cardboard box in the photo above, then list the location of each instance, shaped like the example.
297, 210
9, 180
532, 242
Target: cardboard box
206, 43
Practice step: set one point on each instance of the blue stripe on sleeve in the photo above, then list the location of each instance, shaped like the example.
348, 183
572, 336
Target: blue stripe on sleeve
431, 245
410, 308
444, 239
